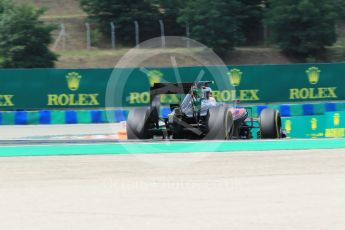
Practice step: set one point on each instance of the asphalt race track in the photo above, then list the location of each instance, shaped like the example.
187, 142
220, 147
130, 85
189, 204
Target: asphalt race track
215, 186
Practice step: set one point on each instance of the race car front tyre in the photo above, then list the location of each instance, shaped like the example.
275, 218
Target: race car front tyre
270, 124
220, 124
138, 123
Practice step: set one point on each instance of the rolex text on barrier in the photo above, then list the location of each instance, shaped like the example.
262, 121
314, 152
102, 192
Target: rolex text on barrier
86, 88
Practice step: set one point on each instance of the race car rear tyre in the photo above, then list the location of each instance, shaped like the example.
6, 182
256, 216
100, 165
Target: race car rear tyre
177, 132
138, 123
220, 124
270, 124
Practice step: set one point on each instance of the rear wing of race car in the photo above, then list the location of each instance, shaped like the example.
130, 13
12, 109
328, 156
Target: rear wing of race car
169, 88
174, 88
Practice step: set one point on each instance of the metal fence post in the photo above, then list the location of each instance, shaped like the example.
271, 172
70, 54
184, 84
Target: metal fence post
63, 31
187, 34
265, 35
113, 35
161, 23
136, 25
88, 36
62, 36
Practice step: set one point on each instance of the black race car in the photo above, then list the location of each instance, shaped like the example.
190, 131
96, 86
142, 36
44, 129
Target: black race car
199, 116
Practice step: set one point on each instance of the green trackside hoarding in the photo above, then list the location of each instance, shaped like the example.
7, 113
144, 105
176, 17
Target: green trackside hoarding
330, 125
87, 88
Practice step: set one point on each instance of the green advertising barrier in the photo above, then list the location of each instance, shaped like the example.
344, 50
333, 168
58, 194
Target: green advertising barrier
335, 124
305, 126
330, 125
52, 88
87, 88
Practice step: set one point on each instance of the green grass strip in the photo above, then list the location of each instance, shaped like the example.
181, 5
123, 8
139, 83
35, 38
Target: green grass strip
170, 147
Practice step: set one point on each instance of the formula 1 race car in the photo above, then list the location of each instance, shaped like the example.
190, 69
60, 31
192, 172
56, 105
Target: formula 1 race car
198, 116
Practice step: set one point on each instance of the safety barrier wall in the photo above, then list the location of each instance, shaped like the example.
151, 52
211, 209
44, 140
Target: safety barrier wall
331, 124
299, 120
47, 89
117, 115
51, 117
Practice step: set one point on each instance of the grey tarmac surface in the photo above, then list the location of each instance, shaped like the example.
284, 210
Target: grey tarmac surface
247, 190
48, 131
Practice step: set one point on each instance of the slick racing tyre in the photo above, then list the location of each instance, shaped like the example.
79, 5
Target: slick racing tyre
270, 124
138, 123
220, 123
177, 131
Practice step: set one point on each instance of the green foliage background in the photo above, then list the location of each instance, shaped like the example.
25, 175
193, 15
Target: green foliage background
123, 13
24, 38
300, 28
303, 27
218, 24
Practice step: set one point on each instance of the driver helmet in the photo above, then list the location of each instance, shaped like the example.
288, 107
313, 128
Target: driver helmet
207, 91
